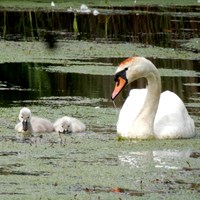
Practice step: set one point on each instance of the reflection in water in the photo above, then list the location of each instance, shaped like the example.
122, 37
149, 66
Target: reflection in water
158, 159
29, 81
25, 81
22, 81
146, 24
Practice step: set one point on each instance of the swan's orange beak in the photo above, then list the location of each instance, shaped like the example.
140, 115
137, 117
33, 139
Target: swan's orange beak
120, 84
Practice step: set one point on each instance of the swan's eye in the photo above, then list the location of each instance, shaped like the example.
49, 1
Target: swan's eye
116, 78
121, 74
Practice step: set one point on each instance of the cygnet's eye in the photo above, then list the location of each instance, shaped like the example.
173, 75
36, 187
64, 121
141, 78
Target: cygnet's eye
22, 117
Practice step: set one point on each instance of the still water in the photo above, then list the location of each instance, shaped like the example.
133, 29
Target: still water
158, 26
95, 164
26, 81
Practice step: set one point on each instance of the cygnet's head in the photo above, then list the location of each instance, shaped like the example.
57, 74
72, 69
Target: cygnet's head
25, 117
65, 126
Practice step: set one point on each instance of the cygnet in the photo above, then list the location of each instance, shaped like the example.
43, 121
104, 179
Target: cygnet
30, 124
68, 125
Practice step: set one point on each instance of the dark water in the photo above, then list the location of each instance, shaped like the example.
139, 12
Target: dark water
26, 81
160, 26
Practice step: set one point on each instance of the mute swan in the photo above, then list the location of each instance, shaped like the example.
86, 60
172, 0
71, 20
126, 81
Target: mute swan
29, 124
146, 113
68, 125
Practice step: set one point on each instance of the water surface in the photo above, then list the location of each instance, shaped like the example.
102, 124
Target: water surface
76, 79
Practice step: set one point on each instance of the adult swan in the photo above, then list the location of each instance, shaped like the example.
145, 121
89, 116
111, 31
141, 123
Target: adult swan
147, 113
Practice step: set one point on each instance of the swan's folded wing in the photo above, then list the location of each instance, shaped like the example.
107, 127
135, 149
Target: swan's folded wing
172, 119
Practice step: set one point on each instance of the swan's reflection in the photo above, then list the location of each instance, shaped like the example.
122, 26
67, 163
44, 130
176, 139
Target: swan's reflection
169, 159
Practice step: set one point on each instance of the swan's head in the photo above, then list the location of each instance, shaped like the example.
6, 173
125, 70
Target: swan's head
130, 70
65, 126
25, 117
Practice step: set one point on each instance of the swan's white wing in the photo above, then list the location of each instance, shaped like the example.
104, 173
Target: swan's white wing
130, 110
172, 119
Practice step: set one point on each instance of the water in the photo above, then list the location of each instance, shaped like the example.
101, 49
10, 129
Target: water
75, 80
145, 24
37, 81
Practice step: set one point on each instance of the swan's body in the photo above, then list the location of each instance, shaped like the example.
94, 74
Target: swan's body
68, 125
29, 124
146, 113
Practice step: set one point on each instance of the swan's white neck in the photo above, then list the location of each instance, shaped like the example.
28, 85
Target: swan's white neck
144, 123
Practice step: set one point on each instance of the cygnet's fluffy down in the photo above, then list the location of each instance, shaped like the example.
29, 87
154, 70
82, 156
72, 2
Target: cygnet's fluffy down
68, 125
29, 124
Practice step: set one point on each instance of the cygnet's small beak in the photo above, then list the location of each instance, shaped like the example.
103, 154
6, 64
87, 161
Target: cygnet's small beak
25, 125
66, 131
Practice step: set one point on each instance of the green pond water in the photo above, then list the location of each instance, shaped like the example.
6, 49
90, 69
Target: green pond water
76, 78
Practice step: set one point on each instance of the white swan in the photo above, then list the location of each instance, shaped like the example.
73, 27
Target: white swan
29, 124
146, 113
68, 125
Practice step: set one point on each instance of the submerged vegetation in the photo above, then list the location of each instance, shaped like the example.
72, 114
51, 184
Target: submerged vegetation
58, 61
37, 52
60, 4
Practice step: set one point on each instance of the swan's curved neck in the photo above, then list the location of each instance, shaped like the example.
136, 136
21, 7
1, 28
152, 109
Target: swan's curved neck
147, 114
153, 95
